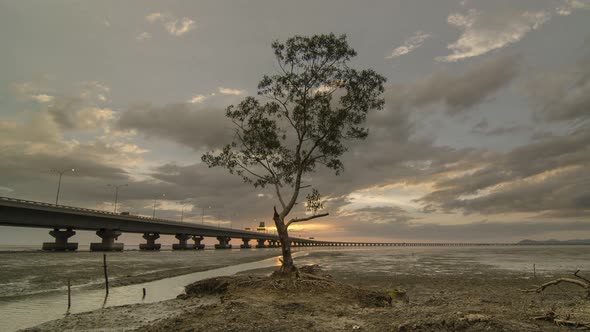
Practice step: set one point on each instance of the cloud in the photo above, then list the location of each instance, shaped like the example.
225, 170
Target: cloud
390, 154
173, 25
179, 27
198, 99
548, 175
32, 147
198, 128
72, 114
482, 128
33, 90
83, 112
94, 91
460, 92
409, 45
378, 214
228, 91
484, 33
155, 17
471, 181
561, 95
42, 98
143, 36
568, 6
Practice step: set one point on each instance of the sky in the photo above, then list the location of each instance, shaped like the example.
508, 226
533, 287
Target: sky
484, 136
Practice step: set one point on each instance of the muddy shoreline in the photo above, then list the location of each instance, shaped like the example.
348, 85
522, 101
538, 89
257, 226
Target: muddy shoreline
490, 299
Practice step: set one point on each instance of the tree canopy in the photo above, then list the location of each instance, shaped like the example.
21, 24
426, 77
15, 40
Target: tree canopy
307, 112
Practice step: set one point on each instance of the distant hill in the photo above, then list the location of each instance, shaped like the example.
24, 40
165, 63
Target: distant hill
554, 242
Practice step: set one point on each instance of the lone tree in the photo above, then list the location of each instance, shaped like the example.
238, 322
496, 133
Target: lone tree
312, 107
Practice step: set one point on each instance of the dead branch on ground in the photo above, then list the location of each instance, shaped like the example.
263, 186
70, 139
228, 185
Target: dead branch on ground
584, 283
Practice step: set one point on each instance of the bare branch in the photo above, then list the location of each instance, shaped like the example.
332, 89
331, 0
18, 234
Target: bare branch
576, 274
306, 218
541, 288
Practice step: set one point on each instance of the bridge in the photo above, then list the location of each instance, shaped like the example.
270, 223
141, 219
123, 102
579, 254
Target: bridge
63, 220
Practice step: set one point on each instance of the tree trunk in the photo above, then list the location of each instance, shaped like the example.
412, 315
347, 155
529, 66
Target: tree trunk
288, 267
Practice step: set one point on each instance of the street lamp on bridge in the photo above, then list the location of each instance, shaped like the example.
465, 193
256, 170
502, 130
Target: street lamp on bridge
60, 173
155, 200
117, 192
203, 214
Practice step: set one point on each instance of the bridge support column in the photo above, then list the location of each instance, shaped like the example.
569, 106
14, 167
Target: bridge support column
108, 237
223, 242
182, 242
246, 244
151, 242
260, 243
61, 241
198, 244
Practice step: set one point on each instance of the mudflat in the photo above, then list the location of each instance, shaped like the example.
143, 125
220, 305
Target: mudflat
337, 300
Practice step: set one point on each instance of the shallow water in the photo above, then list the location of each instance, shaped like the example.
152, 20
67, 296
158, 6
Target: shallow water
27, 311
35, 272
548, 260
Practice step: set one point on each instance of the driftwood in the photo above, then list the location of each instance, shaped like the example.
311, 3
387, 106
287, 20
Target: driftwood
551, 316
584, 283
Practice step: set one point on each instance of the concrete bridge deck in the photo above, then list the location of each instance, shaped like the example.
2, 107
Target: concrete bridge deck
63, 220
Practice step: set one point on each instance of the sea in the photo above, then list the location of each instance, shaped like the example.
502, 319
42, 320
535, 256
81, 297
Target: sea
33, 283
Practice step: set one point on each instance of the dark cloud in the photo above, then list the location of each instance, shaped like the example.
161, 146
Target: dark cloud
64, 112
546, 175
198, 127
462, 92
562, 95
482, 128
379, 214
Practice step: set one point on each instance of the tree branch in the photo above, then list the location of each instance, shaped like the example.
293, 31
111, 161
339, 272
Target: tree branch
306, 218
541, 288
280, 196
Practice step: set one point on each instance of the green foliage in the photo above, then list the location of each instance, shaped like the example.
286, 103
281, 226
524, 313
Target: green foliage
310, 109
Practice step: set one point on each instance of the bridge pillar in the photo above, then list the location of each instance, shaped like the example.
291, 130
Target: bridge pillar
260, 243
246, 244
198, 244
223, 242
61, 241
151, 242
108, 237
182, 242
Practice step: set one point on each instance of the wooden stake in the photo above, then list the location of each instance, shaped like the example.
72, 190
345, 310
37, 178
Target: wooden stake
69, 294
106, 276
143, 293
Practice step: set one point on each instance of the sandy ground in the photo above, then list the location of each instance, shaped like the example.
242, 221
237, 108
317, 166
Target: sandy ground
490, 301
